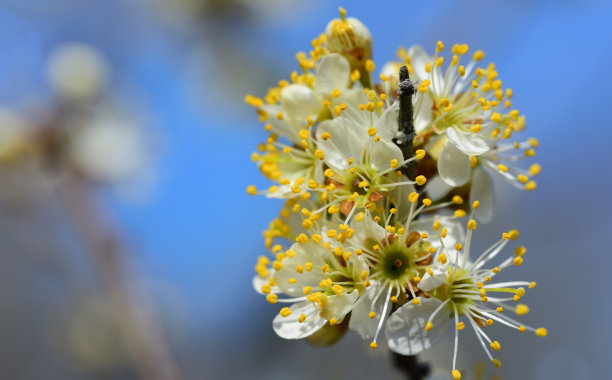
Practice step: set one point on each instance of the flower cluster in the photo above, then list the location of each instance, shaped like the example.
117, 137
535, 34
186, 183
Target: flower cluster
376, 179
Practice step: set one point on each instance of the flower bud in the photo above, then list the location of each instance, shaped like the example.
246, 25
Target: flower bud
352, 39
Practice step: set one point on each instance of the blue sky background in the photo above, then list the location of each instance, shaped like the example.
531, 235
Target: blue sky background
197, 233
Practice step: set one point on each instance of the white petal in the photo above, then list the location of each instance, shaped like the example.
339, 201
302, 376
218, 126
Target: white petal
482, 191
405, 328
418, 59
300, 101
334, 72
422, 114
468, 142
453, 165
259, 281
337, 306
430, 282
387, 124
436, 188
289, 327
383, 152
361, 322
347, 140
303, 253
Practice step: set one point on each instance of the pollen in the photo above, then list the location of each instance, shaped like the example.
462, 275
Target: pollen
495, 346
285, 312
420, 153
522, 309
428, 326
456, 374
541, 332
372, 314
373, 345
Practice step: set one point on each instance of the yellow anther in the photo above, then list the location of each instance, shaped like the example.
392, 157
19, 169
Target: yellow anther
456, 374
424, 235
458, 247
496, 117
428, 326
360, 216
420, 153
542, 332
373, 345
460, 326
272, 298
292, 281
487, 279
500, 309
332, 322
308, 266
280, 116
372, 131
461, 70
444, 102
370, 66
439, 46
473, 161
455, 60
520, 251
325, 268
432, 250
299, 269
518, 261
266, 289
489, 322
325, 135
376, 248
413, 197
439, 61
371, 107
337, 289
251, 190
495, 270
513, 234
459, 213
302, 318
478, 55
310, 120
442, 258
522, 309
427, 202
333, 209
335, 93
495, 345
535, 169
285, 312
502, 168
307, 224
428, 67
475, 128
420, 180
457, 200
436, 225
522, 328
532, 284
394, 163
372, 314
302, 238
496, 363
522, 178
416, 301
277, 265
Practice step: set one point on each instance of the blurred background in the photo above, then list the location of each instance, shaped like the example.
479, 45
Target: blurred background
127, 241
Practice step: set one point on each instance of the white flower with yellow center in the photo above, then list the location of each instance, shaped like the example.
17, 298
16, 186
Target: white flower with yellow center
460, 117
292, 112
322, 285
456, 287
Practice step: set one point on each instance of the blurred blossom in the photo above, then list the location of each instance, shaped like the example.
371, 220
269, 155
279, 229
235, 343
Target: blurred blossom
77, 71
109, 149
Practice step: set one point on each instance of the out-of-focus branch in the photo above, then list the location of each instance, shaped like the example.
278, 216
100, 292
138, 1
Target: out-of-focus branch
142, 334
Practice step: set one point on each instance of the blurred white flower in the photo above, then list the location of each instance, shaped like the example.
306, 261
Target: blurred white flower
77, 70
109, 149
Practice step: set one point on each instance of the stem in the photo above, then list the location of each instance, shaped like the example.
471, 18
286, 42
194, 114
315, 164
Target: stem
405, 135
